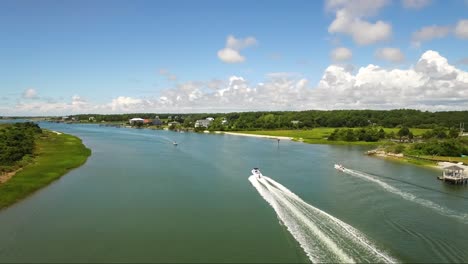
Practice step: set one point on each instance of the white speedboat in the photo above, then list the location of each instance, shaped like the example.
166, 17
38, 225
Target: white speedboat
174, 143
339, 167
256, 172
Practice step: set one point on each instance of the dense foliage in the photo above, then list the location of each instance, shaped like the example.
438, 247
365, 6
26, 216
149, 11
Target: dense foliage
16, 141
361, 134
308, 119
448, 147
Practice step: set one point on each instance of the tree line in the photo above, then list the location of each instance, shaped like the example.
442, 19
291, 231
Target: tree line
307, 119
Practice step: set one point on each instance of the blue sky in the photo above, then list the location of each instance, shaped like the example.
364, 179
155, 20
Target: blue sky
63, 57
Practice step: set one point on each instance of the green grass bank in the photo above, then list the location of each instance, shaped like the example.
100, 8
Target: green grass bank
317, 135
54, 156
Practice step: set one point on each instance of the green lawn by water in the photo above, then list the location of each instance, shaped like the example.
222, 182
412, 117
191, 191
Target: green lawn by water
55, 155
318, 135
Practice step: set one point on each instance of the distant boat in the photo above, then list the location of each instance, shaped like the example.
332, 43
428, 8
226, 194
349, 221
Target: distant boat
174, 143
339, 167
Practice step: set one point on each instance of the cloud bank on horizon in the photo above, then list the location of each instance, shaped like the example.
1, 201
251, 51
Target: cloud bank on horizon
431, 84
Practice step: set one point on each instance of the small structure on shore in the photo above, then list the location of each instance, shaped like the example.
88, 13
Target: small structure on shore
136, 120
204, 122
454, 174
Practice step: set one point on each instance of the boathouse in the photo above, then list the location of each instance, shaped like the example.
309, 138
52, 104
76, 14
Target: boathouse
136, 120
454, 174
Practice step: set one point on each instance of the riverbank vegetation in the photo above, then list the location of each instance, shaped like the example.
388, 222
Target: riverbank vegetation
434, 145
52, 156
17, 142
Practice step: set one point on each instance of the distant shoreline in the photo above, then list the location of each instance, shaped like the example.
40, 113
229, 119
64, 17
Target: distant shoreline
255, 135
440, 165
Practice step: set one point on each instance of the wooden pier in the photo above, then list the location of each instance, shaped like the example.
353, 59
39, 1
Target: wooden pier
454, 174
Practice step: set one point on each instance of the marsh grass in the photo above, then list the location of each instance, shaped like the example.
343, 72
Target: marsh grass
54, 156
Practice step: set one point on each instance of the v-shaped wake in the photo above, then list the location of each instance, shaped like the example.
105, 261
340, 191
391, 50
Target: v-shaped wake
323, 237
408, 196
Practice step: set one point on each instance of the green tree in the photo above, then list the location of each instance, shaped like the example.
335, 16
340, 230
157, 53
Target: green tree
403, 132
453, 132
350, 136
381, 134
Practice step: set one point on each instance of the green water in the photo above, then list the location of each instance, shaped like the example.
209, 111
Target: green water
139, 198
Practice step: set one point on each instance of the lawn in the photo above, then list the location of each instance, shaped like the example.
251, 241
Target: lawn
55, 155
416, 131
313, 136
318, 135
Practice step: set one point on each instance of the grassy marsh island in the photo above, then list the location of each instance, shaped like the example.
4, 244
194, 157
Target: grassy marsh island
53, 155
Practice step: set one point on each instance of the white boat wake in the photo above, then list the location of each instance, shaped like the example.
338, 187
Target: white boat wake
408, 196
323, 237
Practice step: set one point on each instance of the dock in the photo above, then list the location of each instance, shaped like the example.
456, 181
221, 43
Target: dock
454, 174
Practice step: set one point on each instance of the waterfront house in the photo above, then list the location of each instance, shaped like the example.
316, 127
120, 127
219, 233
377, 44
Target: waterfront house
173, 124
203, 123
136, 120
157, 121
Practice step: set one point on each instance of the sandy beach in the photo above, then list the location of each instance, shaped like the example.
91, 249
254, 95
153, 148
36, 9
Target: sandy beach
258, 136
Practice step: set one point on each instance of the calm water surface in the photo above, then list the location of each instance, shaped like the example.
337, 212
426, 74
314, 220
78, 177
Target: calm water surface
139, 198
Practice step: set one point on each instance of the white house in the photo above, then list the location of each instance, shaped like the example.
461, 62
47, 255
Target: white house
136, 120
173, 123
203, 123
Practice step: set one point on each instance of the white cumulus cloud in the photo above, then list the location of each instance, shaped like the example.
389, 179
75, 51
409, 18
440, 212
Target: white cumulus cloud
433, 84
461, 29
30, 94
231, 53
124, 103
349, 20
429, 33
390, 54
341, 54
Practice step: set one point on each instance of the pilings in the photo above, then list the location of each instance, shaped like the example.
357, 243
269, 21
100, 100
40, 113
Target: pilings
452, 180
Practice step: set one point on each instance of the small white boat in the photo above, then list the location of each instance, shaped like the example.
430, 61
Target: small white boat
174, 143
256, 172
339, 167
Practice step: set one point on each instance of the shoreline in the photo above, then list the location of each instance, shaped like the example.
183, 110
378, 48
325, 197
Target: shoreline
254, 135
439, 165
50, 148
